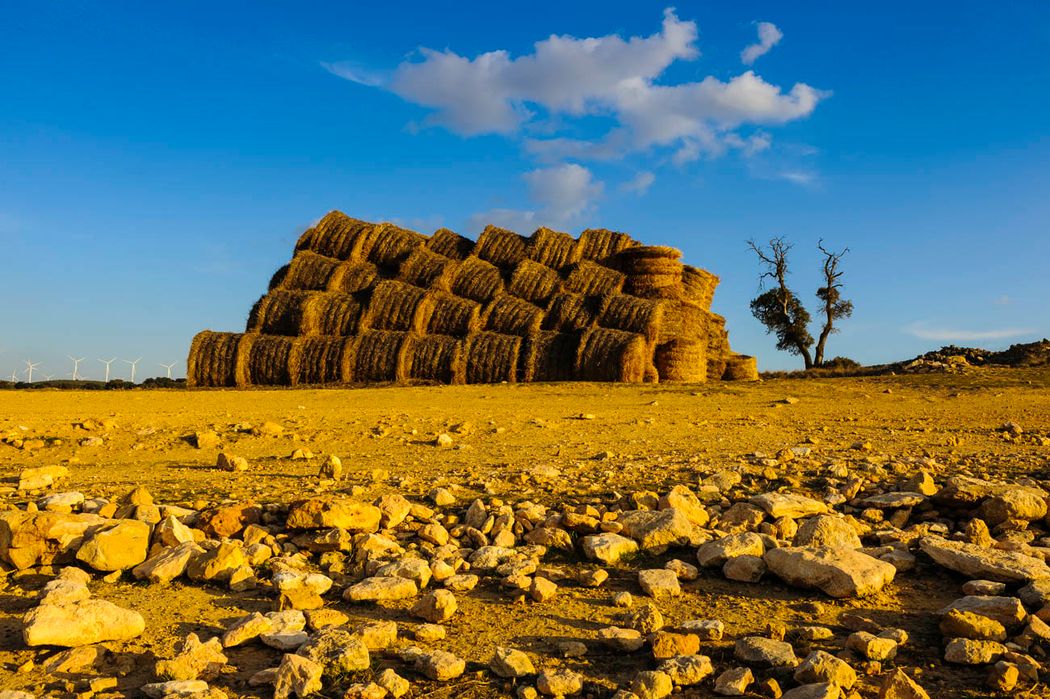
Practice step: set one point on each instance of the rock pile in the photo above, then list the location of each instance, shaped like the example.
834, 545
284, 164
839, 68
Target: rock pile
317, 555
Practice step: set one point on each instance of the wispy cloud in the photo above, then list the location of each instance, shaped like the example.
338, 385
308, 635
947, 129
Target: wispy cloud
639, 184
769, 35
925, 331
563, 195
356, 73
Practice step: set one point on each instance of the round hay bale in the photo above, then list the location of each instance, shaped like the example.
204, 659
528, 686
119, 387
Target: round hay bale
682, 361
612, 355
592, 279
492, 358
336, 235
310, 271
533, 282
319, 360
439, 358
281, 312
450, 244
395, 306
277, 280
644, 317
646, 259
717, 346
655, 287
503, 248
352, 276
332, 314
268, 361
567, 312
740, 367
374, 356
447, 314
683, 320
212, 361
553, 249
550, 356
599, 244
699, 285
513, 316
476, 279
388, 245
427, 269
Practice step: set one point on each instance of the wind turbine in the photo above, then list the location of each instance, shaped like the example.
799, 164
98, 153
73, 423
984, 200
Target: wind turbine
30, 368
107, 362
133, 364
76, 366
48, 377
169, 367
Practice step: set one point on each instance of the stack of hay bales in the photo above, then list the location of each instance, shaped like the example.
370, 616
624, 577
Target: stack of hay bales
363, 302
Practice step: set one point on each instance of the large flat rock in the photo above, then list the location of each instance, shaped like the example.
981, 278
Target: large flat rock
838, 572
984, 563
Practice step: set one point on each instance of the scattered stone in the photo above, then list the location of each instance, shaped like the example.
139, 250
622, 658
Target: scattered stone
766, 652
436, 607
687, 670
246, 629
381, 589
297, 675
560, 682
437, 665
510, 663
608, 548
734, 682
336, 650
788, 505
979, 562
659, 583
871, 647
900, 686
80, 623
749, 569
717, 552
652, 685
326, 512
819, 666
829, 531
837, 572
965, 651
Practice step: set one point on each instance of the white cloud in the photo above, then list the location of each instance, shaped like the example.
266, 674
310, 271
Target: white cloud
565, 78
640, 183
924, 331
563, 195
769, 35
356, 73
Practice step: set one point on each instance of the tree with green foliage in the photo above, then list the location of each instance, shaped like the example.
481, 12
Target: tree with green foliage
783, 314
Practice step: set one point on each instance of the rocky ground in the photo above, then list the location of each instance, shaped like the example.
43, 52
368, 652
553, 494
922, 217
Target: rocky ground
822, 538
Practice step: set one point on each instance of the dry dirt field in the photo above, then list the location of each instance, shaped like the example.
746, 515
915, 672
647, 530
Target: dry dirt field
561, 446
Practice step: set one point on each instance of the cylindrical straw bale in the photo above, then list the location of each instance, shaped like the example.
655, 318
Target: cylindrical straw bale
683, 320
740, 367
440, 358
427, 269
550, 356
353, 276
395, 306
270, 361
599, 244
374, 355
699, 285
682, 361
567, 312
553, 249
642, 316
447, 314
212, 361
336, 235
389, 245
476, 279
492, 357
319, 359
648, 259
277, 280
533, 282
450, 244
513, 316
592, 279
503, 248
310, 271
612, 355
281, 312
332, 314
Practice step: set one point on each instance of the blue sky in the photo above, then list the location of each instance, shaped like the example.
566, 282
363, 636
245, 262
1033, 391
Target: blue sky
157, 161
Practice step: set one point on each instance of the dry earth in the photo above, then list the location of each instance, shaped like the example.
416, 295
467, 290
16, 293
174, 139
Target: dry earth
558, 445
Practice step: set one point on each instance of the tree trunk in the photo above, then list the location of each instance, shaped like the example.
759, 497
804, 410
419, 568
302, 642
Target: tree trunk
804, 351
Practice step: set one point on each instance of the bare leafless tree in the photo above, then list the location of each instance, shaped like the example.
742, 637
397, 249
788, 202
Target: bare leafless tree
779, 308
835, 307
